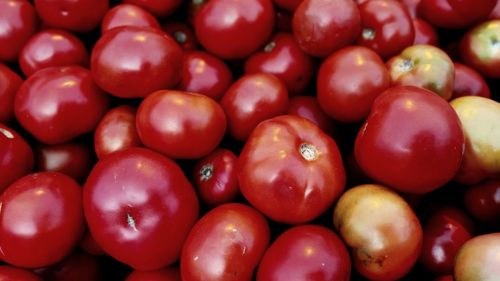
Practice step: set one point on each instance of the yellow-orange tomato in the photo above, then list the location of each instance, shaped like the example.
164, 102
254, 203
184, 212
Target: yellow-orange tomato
478, 259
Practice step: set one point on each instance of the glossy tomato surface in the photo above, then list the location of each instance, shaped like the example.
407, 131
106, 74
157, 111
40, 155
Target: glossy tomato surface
483, 200
468, 82
455, 13
160, 8
425, 33
9, 84
10, 273
128, 15
478, 259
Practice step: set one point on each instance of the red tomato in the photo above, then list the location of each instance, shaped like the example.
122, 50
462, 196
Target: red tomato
180, 124
9, 84
425, 34
182, 33
166, 274
323, 26
226, 244
161, 8
478, 259
131, 61
469, 82
290, 170
349, 81
128, 15
455, 13
10, 273
409, 135
495, 13
139, 207
77, 267
412, 7
252, 99
483, 200
41, 220
308, 107
233, 29
57, 104
307, 252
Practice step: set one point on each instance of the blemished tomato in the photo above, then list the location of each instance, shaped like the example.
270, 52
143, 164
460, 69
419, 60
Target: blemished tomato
308, 107
9, 84
483, 200
164, 274
161, 8
180, 124
478, 259
469, 82
10, 273
381, 229
128, 15
409, 135
57, 104
455, 14
76, 267
41, 220
226, 244
139, 207
306, 252
290, 170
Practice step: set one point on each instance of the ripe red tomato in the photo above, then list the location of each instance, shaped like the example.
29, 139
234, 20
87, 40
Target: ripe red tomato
478, 259
455, 13
10, 273
226, 244
290, 170
9, 84
76, 267
306, 252
180, 124
409, 135
139, 207
41, 220
166, 274
425, 34
128, 15
469, 82
483, 200
182, 33
308, 107
161, 8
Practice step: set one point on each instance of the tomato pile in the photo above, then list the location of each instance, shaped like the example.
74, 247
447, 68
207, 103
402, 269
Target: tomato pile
235, 140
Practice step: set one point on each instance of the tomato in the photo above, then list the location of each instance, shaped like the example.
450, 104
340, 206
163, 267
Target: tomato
306, 252
128, 15
9, 84
57, 104
77, 267
166, 274
308, 107
412, 7
72, 15
455, 13
205, 74
290, 170
16, 157
283, 58
226, 244
182, 33
160, 8
483, 200
349, 81
323, 26
18, 22
381, 229
478, 259
216, 177
252, 99
180, 124
233, 29
425, 34
10, 273
469, 82
41, 220
444, 233
409, 135
387, 27
495, 13
132, 61
139, 207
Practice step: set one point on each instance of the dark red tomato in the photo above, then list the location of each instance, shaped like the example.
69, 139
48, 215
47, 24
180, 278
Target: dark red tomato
283, 21
73, 159
495, 13
182, 33
444, 234
139, 208
289, 5
483, 200
180, 124
225, 244
412, 7
469, 82
128, 15
131, 62
387, 27
166, 274
307, 252
308, 107
479, 48
425, 34
18, 23
349, 81
72, 15
76, 267
444, 278
116, 131
205, 74
409, 135
9, 84
455, 13
216, 177
233, 29
52, 47
252, 99
283, 58
161, 8
90, 246
16, 157
290, 170
57, 104
41, 219
10, 273
323, 26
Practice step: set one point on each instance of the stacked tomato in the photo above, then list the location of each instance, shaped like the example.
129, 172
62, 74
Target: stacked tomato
240, 140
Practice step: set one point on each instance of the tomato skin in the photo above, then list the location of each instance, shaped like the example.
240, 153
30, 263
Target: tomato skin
425, 34
51, 204
324, 26
412, 7
76, 267
128, 15
308, 107
483, 202
135, 200
160, 8
349, 81
409, 135
290, 170
252, 99
165, 274
469, 82
132, 61
223, 37
182, 33
226, 244
10, 273
9, 84
196, 124
478, 259
454, 14
306, 252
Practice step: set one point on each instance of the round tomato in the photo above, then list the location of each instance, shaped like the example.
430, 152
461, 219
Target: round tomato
483, 200
128, 15
478, 259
